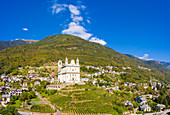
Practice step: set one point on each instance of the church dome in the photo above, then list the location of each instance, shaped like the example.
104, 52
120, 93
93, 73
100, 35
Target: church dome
72, 62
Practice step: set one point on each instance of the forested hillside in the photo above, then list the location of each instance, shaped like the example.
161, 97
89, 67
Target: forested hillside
7, 44
152, 63
53, 48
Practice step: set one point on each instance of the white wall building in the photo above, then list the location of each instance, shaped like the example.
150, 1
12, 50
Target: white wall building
69, 73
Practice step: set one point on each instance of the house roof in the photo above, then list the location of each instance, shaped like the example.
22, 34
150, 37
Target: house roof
160, 105
7, 96
144, 106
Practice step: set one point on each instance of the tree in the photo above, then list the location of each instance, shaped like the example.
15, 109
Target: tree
10, 110
160, 99
29, 88
25, 95
28, 101
32, 95
165, 102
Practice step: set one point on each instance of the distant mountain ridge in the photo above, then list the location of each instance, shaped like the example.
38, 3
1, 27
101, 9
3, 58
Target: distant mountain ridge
7, 44
166, 64
161, 66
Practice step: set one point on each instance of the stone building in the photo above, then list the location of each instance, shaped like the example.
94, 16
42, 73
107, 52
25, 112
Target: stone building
69, 73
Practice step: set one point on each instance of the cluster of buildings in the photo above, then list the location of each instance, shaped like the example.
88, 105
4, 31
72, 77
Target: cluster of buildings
69, 74
144, 106
144, 68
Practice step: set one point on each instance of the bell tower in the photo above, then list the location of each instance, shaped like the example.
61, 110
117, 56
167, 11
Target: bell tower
66, 61
59, 65
77, 61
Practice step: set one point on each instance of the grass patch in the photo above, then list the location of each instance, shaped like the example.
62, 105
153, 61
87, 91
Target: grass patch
36, 99
44, 95
17, 104
1, 83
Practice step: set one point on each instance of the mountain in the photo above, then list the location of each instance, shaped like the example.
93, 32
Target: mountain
7, 44
166, 64
53, 48
161, 66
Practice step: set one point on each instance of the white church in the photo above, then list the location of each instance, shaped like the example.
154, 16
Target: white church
69, 73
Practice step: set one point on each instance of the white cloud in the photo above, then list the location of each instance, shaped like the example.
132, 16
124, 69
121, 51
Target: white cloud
88, 21
77, 30
145, 57
97, 40
76, 18
56, 8
76, 26
83, 7
25, 29
74, 10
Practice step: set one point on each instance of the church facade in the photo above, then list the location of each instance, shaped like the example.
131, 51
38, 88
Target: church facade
69, 73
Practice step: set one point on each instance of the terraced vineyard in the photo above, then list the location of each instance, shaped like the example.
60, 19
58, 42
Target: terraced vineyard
89, 100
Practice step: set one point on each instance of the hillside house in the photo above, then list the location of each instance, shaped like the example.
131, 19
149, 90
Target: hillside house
160, 106
55, 86
37, 83
6, 98
84, 79
16, 91
145, 107
25, 84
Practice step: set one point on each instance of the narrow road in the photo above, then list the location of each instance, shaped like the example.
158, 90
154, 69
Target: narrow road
39, 96
45, 102
159, 113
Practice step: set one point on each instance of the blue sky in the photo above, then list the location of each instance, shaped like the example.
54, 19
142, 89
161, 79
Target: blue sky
137, 27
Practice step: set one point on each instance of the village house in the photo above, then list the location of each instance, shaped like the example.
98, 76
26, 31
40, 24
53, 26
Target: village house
96, 74
168, 92
125, 84
127, 103
53, 74
94, 81
116, 84
44, 78
16, 91
113, 88
155, 96
1, 89
154, 84
25, 84
33, 76
145, 107
154, 88
6, 98
110, 67
141, 99
110, 91
149, 96
37, 83
160, 106
19, 76
31, 71
55, 86
84, 79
